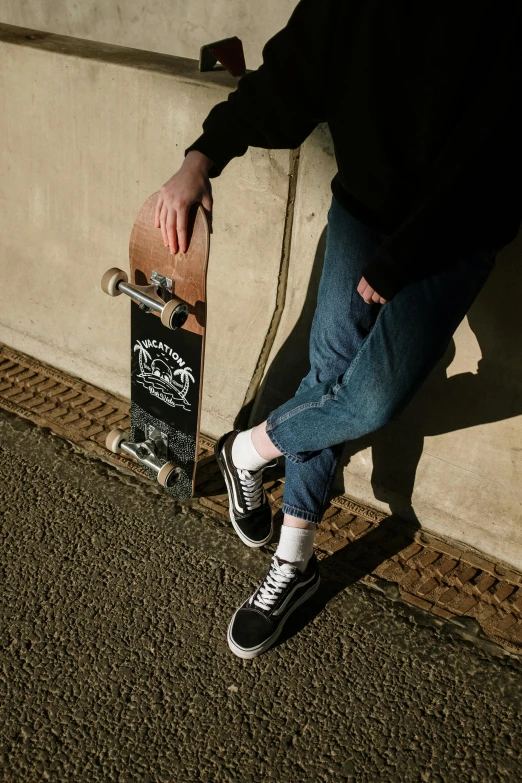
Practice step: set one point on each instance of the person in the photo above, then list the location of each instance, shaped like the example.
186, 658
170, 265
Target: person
421, 102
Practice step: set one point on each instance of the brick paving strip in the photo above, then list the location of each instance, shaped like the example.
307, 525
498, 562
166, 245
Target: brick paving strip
440, 577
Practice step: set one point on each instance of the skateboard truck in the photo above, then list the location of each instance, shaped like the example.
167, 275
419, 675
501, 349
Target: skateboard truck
146, 453
173, 312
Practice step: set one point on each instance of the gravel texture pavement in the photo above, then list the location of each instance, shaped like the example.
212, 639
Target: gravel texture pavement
114, 664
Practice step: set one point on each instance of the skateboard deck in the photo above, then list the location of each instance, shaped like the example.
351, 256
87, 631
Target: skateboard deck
168, 319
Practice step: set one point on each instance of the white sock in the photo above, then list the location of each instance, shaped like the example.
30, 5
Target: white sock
296, 546
245, 454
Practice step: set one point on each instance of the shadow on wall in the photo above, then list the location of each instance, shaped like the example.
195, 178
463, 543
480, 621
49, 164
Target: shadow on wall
443, 404
291, 363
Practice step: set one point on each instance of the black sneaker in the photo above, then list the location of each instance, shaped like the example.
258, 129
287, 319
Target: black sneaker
257, 624
249, 509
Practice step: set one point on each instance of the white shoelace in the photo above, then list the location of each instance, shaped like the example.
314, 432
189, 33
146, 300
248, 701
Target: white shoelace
275, 582
252, 484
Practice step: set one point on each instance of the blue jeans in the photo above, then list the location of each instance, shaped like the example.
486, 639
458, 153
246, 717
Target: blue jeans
367, 361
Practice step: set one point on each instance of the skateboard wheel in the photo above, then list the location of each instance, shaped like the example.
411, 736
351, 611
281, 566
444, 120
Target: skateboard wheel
174, 314
114, 440
168, 474
110, 280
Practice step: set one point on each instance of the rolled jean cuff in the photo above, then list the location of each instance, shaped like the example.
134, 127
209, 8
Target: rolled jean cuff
306, 516
270, 432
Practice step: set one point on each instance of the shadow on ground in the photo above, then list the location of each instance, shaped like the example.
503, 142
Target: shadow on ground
346, 567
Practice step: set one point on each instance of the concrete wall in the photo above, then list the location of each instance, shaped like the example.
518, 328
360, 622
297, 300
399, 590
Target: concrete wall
84, 142
91, 130
178, 27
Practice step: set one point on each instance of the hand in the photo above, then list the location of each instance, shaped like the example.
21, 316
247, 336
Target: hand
368, 293
187, 186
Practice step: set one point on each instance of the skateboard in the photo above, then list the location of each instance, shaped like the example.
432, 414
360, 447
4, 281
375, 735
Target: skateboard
168, 319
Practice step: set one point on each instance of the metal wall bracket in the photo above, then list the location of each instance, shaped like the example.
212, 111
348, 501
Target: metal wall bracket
228, 52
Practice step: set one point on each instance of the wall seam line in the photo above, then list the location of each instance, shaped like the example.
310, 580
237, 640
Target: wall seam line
250, 400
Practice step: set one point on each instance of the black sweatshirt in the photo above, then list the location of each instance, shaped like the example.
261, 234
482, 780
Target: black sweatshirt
422, 101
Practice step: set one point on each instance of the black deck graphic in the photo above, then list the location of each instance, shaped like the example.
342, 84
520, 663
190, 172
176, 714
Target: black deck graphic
165, 381
159, 378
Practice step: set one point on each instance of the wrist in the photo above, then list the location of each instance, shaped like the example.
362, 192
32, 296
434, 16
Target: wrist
199, 160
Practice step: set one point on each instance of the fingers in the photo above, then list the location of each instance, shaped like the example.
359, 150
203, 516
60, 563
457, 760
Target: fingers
163, 223
174, 224
159, 204
171, 230
377, 299
189, 185
361, 288
369, 294
365, 290
181, 224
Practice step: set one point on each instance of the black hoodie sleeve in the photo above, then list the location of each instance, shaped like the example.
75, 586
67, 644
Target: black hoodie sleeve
280, 104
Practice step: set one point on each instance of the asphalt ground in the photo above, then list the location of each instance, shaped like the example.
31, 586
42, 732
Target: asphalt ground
114, 664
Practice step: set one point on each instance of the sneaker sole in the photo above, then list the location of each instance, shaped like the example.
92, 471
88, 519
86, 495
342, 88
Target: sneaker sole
244, 539
255, 651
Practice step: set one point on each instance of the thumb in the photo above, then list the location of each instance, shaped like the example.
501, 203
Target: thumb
206, 201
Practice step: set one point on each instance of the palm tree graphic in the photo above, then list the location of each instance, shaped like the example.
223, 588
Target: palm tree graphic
185, 375
159, 379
